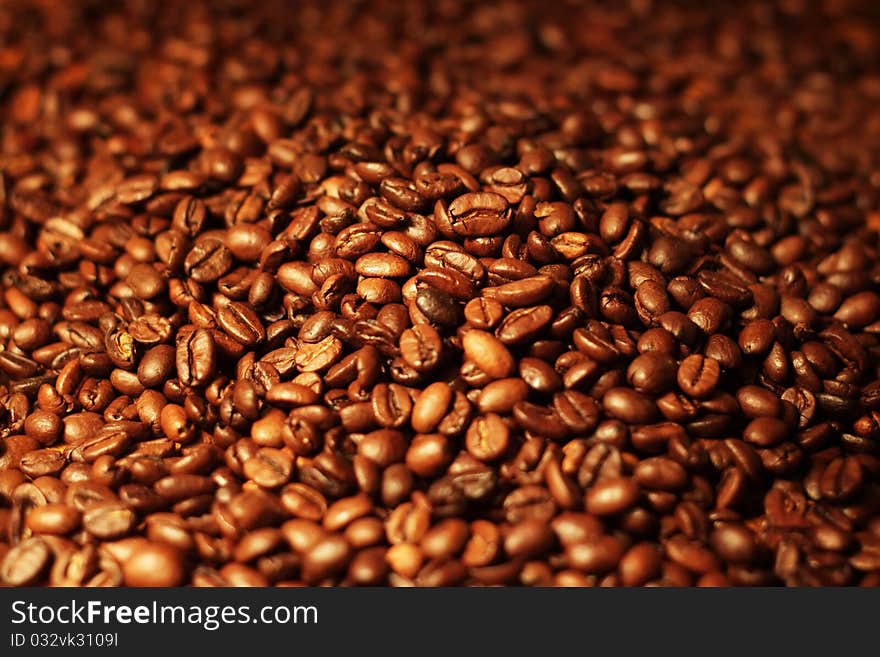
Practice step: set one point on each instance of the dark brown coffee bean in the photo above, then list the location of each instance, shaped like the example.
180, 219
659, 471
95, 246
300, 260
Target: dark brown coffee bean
611, 496
765, 431
53, 519
757, 337
540, 420
439, 307
529, 539
483, 213
421, 347
652, 372
841, 479
629, 406
382, 265
698, 376
303, 501
326, 557
42, 462
154, 564
196, 358
208, 260
524, 292
524, 324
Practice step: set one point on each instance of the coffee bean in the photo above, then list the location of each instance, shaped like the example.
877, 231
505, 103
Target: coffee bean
630, 406
841, 479
326, 557
439, 307
540, 420
242, 323
109, 520
524, 292
269, 467
154, 564
698, 376
318, 356
652, 372
595, 555
195, 358
524, 324
482, 213
735, 543
421, 347
487, 438
208, 260
611, 496
529, 539
488, 353
757, 337
641, 563
859, 310
42, 462
344, 511
26, 563
765, 431
660, 473
382, 265
756, 401
53, 519
392, 405
483, 313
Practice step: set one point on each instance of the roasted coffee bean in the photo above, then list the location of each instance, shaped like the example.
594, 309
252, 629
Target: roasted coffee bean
756, 401
483, 313
629, 406
109, 520
242, 323
595, 555
698, 375
487, 438
652, 372
269, 467
488, 353
26, 563
524, 324
482, 213
765, 431
841, 479
439, 307
611, 496
196, 358
208, 260
431, 407
540, 420
421, 347
42, 462
54, 518
154, 564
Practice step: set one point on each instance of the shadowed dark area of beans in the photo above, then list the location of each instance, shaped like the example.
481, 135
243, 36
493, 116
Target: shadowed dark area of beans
439, 293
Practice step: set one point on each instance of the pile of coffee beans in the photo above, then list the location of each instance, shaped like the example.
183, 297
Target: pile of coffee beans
439, 293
